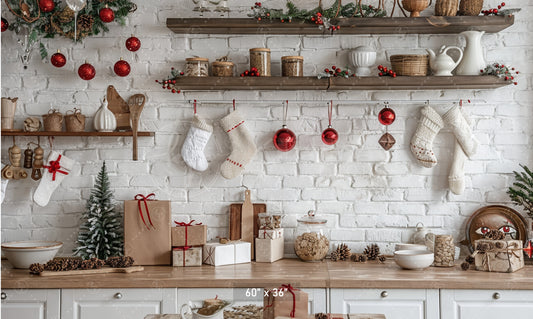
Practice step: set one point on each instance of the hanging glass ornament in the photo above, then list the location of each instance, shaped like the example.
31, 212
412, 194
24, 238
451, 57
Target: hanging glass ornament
284, 139
386, 117
330, 135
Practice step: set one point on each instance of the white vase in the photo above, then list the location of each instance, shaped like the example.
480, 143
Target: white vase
363, 58
104, 119
473, 61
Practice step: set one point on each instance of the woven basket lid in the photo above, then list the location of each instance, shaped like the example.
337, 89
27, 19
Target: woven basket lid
292, 57
260, 50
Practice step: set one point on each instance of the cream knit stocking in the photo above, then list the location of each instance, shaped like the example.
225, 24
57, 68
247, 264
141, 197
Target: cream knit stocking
192, 150
243, 146
456, 178
463, 132
429, 125
56, 168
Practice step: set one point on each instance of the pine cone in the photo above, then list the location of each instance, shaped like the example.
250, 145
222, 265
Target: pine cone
372, 251
54, 265
120, 261
343, 252
465, 266
483, 247
93, 263
321, 315
85, 23
363, 258
36, 268
494, 234
334, 255
470, 259
382, 258
355, 257
66, 15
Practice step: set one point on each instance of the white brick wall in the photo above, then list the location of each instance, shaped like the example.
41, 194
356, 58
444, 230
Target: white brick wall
369, 195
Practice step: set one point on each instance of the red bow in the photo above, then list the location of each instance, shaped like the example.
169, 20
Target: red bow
186, 227
291, 289
139, 198
54, 168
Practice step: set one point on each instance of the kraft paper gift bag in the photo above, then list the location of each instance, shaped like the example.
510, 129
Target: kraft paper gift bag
147, 231
285, 301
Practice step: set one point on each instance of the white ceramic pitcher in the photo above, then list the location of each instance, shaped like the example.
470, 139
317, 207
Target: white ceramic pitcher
442, 64
473, 60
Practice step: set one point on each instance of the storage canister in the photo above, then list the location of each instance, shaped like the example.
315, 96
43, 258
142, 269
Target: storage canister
312, 243
260, 59
292, 65
222, 68
197, 67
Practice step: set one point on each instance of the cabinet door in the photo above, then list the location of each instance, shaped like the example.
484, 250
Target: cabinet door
486, 304
393, 303
116, 303
30, 303
245, 296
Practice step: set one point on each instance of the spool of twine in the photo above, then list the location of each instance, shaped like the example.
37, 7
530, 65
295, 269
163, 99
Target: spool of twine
75, 122
53, 121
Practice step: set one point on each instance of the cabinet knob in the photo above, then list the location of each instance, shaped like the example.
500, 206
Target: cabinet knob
384, 294
4, 296
118, 295
496, 296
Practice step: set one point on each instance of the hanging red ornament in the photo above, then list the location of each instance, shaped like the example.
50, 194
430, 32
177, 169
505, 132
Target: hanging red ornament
58, 59
133, 43
106, 14
47, 5
330, 135
86, 71
122, 68
284, 139
386, 116
5, 24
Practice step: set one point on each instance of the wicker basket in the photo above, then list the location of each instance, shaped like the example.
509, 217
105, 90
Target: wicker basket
410, 64
446, 8
470, 7
53, 121
75, 122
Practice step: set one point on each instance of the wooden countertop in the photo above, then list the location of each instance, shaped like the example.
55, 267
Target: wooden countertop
324, 274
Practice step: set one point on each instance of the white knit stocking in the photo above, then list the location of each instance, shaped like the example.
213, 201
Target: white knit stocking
52, 177
192, 150
456, 178
242, 144
429, 125
463, 132
4, 186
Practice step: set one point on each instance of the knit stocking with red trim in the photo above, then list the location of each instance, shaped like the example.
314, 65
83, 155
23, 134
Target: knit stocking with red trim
242, 144
56, 168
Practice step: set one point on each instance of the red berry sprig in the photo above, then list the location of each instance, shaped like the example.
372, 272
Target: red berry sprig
170, 82
335, 71
384, 71
501, 71
493, 11
252, 72
317, 19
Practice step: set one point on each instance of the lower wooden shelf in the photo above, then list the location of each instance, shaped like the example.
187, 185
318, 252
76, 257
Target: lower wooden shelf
41, 133
338, 83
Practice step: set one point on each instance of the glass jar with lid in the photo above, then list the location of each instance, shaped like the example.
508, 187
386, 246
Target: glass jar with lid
260, 59
292, 65
197, 66
312, 243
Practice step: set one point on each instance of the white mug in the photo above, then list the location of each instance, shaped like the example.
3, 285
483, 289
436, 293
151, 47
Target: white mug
188, 308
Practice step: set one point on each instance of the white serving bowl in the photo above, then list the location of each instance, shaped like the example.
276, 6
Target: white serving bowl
413, 259
410, 247
21, 254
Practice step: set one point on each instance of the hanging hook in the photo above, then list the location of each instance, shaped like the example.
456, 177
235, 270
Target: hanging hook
285, 112
330, 112
233, 104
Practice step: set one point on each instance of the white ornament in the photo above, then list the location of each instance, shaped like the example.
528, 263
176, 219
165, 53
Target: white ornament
104, 119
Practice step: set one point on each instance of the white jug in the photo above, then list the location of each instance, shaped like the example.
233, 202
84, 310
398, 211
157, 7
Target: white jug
442, 64
473, 61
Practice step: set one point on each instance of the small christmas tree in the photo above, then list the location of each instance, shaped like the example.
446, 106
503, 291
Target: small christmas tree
522, 193
100, 235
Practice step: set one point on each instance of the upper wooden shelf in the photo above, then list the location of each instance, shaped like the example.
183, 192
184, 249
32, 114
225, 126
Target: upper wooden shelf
397, 25
337, 83
41, 133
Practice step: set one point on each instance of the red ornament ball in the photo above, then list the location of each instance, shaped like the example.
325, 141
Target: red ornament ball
58, 59
47, 5
284, 139
86, 71
133, 44
330, 136
122, 68
107, 15
386, 116
5, 24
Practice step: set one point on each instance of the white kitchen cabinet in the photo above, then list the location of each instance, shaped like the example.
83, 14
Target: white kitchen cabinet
128, 303
30, 303
393, 303
486, 304
246, 296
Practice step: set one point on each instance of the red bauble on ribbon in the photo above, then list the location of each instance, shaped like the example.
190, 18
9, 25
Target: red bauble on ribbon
133, 44
330, 136
122, 68
86, 71
386, 116
284, 139
58, 59
107, 15
47, 5
5, 24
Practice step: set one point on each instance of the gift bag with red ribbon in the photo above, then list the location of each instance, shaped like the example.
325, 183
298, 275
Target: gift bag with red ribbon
285, 301
189, 234
147, 230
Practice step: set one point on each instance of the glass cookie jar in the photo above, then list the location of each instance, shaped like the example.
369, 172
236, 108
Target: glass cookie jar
197, 67
312, 243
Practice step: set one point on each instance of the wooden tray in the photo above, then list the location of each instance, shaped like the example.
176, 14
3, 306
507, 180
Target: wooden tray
103, 270
235, 220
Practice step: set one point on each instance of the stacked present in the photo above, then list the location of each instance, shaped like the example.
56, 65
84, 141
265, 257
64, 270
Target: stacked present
503, 255
269, 244
227, 253
187, 241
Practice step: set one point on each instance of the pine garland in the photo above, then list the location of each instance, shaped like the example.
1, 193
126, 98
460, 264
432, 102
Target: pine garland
100, 236
522, 192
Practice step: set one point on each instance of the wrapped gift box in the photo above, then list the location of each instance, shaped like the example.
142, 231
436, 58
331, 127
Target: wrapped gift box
268, 250
189, 234
292, 303
187, 256
234, 252
498, 255
270, 233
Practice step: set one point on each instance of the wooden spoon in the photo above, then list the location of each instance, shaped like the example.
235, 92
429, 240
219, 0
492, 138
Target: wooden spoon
136, 105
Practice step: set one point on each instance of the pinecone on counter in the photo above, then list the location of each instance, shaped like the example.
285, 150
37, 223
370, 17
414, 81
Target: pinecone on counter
120, 261
344, 252
334, 255
494, 234
36, 268
363, 258
372, 251
465, 266
382, 258
321, 315
355, 258
469, 259
93, 263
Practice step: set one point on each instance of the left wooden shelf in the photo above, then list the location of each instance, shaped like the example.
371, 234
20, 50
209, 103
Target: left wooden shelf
42, 133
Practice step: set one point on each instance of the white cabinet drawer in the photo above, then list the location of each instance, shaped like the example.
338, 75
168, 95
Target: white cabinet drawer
486, 304
116, 303
30, 303
393, 303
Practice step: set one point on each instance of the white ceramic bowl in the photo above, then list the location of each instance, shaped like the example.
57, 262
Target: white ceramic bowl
21, 254
413, 259
410, 247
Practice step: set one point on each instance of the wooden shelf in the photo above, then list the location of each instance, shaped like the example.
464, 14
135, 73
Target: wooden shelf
21, 133
397, 25
336, 83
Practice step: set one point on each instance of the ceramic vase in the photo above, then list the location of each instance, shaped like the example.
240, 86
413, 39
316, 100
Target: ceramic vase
104, 119
362, 59
473, 61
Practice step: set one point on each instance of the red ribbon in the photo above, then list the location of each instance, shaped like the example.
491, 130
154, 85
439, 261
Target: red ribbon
54, 168
291, 289
186, 227
184, 249
139, 198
